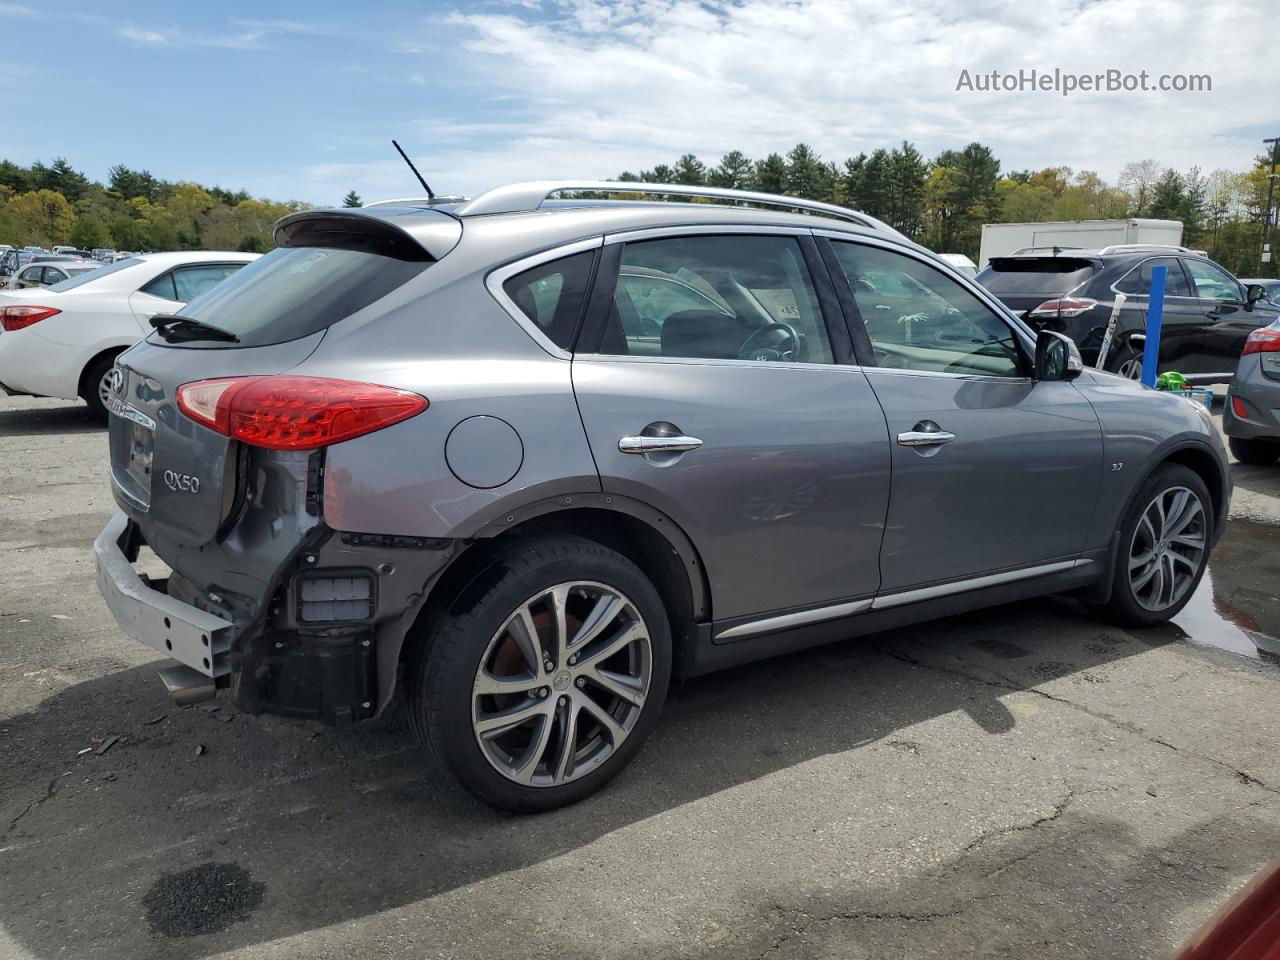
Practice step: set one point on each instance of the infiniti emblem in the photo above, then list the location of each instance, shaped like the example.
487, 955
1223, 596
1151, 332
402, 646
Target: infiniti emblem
115, 380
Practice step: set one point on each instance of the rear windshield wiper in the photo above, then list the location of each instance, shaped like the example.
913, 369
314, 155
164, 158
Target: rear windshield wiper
176, 329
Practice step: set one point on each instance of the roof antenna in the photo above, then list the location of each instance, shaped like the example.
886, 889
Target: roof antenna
430, 195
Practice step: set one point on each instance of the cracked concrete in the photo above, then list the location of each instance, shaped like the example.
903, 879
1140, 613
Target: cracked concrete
1023, 782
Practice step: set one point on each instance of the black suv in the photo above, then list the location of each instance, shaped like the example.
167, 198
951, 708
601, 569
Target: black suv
1208, 313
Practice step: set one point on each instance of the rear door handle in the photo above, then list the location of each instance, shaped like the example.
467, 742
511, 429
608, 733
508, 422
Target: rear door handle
642, 445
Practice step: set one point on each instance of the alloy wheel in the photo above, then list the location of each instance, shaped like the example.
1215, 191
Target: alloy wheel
1167, 549
561, 684
1131, 368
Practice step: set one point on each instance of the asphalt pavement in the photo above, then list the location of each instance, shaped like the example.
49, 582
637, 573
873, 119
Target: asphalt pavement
1020, 782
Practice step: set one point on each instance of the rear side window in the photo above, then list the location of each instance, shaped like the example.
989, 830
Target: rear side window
1137, 282
162, 287
552, 295
293, 292
1039, 276
190, 282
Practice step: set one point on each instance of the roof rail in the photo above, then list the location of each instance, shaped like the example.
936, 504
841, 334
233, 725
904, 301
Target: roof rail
1055, 248
1142, 247
416, 201
525, 197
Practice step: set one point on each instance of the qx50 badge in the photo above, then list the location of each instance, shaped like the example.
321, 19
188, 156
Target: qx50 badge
181, 482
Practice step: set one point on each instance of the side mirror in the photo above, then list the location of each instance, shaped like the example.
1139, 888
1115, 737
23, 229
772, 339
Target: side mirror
1057, 357
1254, 292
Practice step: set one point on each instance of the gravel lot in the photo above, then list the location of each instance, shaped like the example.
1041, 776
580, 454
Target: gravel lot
1022, 782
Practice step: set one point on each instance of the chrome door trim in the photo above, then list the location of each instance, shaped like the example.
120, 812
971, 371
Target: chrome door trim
797, 619
643, 445
974, 583
496, 278
717, 362
986, 378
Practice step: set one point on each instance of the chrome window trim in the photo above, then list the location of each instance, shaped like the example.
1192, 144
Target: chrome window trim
985, 378
496, 278
797, 619
1138, 265
715, 362
974, 583
705, 230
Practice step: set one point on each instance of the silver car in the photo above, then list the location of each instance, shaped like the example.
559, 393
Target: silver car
531, 459
1251, 417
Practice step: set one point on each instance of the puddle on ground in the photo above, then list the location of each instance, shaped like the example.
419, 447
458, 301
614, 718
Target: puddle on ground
1237, 605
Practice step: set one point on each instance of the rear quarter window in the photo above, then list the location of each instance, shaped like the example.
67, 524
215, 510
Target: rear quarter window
553, 294
293, 292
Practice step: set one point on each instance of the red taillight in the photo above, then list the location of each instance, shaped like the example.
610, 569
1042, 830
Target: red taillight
1265, 340
15, 318
1239, 409
295, 413
1063, 307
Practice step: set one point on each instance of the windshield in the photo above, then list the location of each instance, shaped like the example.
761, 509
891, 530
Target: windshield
1050, 276
90, 274
295, 291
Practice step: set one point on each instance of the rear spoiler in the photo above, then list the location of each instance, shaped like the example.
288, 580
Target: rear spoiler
415, 235
1039, 263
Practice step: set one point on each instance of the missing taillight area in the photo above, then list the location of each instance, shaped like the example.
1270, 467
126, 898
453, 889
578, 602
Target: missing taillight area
295, 412
20, 317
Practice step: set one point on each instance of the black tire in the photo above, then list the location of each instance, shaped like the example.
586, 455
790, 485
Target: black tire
441, 675
90, 384
1256, 453
1124, 608
1122, 358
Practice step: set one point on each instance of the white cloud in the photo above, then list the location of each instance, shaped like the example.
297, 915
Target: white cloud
16, 10
604, 86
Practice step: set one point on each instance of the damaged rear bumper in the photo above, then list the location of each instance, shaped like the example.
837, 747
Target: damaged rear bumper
195, 638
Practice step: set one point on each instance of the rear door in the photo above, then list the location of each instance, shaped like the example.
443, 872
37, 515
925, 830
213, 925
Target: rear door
714, 385
1182, 326
993, 472
1225, 320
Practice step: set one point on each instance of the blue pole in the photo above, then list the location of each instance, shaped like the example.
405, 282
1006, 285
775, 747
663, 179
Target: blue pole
1155, 319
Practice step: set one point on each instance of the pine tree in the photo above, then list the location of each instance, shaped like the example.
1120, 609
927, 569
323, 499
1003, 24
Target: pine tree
805, 174
734, 171
690, 170
352, 199
771, 175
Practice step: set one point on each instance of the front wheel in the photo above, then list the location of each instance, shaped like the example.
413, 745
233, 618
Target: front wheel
1164, 547
540, 683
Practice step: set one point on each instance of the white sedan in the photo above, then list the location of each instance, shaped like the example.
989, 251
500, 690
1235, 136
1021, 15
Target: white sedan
60, 341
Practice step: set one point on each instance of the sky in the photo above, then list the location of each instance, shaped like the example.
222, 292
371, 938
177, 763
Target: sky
300, 100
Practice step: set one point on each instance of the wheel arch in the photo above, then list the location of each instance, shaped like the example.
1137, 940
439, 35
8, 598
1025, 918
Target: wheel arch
647, 537
82, 380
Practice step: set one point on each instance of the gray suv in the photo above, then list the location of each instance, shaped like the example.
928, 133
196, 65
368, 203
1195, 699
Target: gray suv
531, 459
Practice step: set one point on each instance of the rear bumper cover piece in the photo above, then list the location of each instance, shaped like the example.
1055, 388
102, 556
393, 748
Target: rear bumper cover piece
194, 637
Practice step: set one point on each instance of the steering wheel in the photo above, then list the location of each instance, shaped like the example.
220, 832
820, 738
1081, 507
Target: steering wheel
783, 348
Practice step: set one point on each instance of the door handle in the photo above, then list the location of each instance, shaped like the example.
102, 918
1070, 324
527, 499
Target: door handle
642, 445
926, 433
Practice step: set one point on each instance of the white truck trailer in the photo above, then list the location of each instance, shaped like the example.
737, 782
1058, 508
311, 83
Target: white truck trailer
1002, 239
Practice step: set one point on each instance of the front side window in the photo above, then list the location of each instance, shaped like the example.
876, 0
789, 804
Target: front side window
717, 298
1137, 282
1212, 282
553, 294
918, 318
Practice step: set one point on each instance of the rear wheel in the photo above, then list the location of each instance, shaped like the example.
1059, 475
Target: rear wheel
94, 387
1126, 361
1164, 548
1257, 453
541, 682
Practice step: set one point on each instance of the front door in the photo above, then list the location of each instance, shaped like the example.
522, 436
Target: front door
1225, 322
1182, 322
710, 388
992, 470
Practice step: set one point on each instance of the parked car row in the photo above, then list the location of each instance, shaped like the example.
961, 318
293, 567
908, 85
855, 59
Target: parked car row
61, 340
1208, 313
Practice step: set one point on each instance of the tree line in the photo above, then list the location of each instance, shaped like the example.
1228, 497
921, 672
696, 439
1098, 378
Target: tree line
943, 202
940, 202
54, 203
